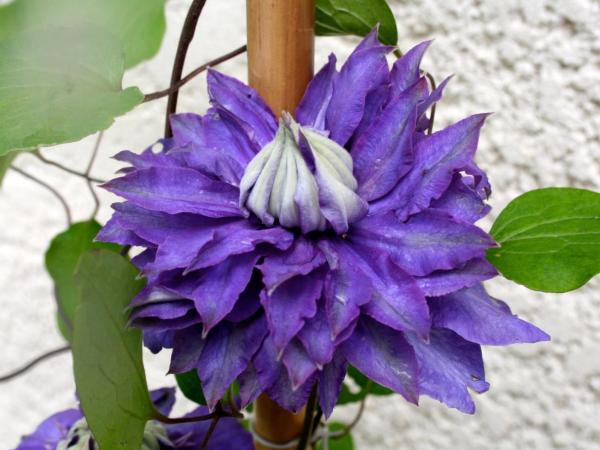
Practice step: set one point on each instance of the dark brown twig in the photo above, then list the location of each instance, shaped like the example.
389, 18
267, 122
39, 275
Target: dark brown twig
432, 115
194, 73
49, 188
34, 362
42, 158
211, 428
309, 416
187, 34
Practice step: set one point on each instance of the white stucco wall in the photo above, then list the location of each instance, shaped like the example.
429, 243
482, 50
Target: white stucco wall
536, 63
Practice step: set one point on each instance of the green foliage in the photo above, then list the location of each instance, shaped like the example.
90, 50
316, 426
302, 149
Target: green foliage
189, 383
62, 258
344, 443
335, 17
5, 162
60, 85
139, 25
549, 239
107, 356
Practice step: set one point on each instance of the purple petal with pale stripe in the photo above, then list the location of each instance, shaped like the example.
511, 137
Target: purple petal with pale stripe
479, 318
437, 158
448, 365
317, 337
313, 106
443, 282
406, 71
461, 201
299, 364
243, 102
290, 305
363, 71
177, 190
383, 154
429, 241
383, 355
226, 354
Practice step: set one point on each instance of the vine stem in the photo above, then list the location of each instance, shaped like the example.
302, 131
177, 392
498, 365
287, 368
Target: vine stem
89, 169
309, 416
57, 194
185, 39
34, 362
194, 73
58, 165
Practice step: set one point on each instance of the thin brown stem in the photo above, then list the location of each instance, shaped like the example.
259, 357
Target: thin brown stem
57, 194
89, 169
194, 73
309, 416
45, 160
211, 429
34, 362
361, 410
185, 39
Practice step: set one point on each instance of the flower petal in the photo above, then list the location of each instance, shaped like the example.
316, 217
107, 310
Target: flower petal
299, 364
245, 103
429, 241
383, 154
290, 305
313, 106
365, 70
447, 366
406, 71
330, 383
443, 282
383, 355
479, 318
316, 336
437, 158
228, 350
461, 201
177, 190
300, 259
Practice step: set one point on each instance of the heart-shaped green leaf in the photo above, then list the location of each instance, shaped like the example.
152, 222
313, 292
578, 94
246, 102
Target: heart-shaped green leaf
358, 17
107, 355
62, 258
549, 239
60, 85
139, 25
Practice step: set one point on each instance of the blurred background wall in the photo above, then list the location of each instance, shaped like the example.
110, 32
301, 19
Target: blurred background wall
535, 63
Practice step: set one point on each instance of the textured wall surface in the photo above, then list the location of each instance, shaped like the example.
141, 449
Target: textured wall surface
536, 63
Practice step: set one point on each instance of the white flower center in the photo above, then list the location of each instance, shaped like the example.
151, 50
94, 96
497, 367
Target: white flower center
302, 179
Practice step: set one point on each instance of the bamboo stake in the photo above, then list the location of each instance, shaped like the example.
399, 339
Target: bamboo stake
280, 66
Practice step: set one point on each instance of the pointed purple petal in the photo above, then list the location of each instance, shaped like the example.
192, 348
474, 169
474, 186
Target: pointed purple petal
443, 282
447, 366
177, 190
437, 158
300, 259
313, 106
383, 154
461, 201
383, 355
245, 103
406, 71
429, 241
479, 318
317, 338
290, 305
298, 363
187, 348
226, 354
365, 70
330, 383
249, 386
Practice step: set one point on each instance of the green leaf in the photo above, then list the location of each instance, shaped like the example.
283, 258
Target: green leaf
367, 384
60, 85
5, 162
339, 17
62, 258
107, 355
549, 239
344, 443
189, 383
139, 25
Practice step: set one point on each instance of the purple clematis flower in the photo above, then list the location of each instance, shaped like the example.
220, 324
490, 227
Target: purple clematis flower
279, 252
68, 430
